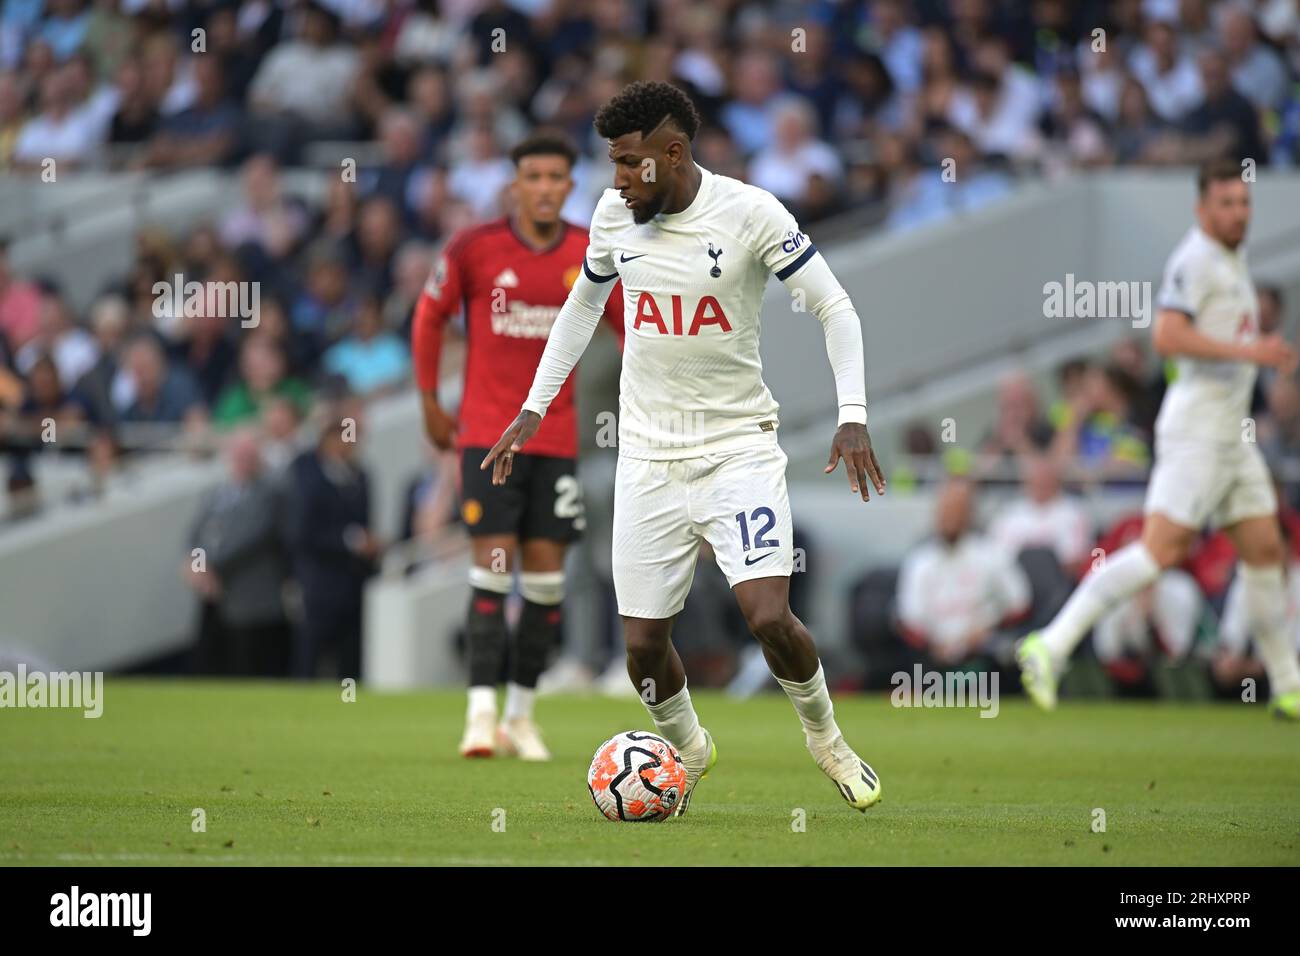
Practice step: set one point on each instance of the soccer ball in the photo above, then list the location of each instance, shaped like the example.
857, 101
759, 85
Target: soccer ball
636, 777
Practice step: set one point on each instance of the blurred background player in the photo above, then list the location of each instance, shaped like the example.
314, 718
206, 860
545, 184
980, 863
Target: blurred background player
512, 275
698, 454
1208, 466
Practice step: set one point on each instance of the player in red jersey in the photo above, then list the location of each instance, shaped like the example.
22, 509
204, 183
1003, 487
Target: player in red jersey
511, 276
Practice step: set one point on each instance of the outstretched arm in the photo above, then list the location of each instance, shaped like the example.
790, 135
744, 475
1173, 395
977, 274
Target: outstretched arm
822, 293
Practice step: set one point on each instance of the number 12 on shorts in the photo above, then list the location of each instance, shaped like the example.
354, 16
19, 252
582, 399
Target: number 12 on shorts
765, 515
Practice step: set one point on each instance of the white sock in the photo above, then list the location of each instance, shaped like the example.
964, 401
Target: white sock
482, 700
1264, 591
1176, 611
676, 721
519, 702
1126, 572
812, 702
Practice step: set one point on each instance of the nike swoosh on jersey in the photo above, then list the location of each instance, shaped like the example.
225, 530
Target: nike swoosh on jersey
755, 560
624, 257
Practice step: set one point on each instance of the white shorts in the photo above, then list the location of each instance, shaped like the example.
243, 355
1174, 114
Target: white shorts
1195, 483
736, 501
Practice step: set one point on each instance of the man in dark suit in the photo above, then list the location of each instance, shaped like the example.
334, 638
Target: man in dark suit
245, 564
334, 550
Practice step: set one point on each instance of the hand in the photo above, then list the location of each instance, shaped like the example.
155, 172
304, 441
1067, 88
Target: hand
502, 455
1271, 351
853, 444
438, 425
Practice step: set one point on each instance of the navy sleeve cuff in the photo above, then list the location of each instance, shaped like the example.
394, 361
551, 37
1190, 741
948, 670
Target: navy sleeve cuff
798, 264
593, 276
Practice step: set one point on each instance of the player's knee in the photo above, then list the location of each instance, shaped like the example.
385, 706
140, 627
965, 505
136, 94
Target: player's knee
646, 645
1167, 550
1267, 553
771, 623
1260, 544
1168, 555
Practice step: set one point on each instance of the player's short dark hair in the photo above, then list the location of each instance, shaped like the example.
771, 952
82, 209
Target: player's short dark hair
640, 107
1216, 171
545, 143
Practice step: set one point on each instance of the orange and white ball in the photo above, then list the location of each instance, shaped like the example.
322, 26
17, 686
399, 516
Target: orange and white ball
637, 777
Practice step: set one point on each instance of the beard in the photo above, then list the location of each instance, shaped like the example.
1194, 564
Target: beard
647, 209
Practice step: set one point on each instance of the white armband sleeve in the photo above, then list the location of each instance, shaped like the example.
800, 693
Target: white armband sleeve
569, 336
826, 299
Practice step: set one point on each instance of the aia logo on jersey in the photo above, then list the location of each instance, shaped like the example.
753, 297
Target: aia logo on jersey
1246, 328
707, 312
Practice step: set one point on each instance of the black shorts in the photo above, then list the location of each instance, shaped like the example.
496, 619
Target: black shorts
540, 499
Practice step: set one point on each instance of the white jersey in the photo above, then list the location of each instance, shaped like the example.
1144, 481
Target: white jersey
949, 592
1060, 524
1211, 284
693, 283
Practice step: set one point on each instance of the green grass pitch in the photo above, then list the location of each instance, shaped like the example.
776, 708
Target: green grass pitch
291, 774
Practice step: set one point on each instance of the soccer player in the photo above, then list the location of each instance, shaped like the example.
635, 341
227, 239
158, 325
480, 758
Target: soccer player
512, 276
698, 455
1207, 466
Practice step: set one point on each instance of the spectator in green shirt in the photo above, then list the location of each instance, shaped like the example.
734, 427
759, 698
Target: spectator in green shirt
262, 376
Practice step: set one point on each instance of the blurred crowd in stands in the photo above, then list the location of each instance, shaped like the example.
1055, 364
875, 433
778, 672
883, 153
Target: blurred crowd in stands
828, 105
831, 106
851, 106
